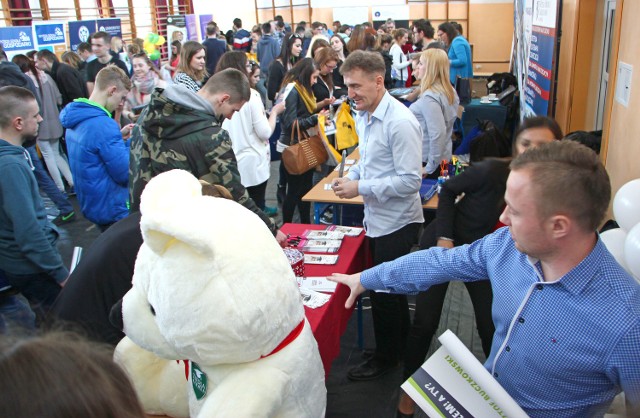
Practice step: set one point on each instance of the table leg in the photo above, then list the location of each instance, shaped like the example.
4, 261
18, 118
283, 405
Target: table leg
316, 212
360, 326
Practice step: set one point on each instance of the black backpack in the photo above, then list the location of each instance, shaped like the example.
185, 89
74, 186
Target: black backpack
499, 82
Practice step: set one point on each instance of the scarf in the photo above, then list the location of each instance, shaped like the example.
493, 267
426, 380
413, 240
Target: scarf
308, 99
146, 83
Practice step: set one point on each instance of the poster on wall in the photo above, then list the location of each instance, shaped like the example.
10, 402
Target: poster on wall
204, 19
50, 35
80, 31
176, 30
351, 15
192, 27
17, 40
113, 26
400, 15
536, 23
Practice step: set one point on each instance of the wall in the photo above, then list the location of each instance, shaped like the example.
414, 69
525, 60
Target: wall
624, 128
594, 80
491, 43
491, 33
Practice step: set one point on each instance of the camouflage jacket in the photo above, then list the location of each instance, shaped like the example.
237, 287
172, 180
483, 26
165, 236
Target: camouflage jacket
172, 135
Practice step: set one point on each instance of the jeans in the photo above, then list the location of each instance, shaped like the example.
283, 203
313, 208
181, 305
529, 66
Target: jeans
40, 289
56, 164
47, 185
15, 313
399, 83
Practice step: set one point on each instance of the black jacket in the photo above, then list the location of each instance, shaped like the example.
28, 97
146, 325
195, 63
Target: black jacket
295, 110
70, 83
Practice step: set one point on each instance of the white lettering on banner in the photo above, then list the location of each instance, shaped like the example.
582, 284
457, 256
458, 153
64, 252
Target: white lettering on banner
533, 55
16, 43
534, 47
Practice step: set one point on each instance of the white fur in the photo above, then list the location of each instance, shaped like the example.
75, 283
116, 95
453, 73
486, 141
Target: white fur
224, 295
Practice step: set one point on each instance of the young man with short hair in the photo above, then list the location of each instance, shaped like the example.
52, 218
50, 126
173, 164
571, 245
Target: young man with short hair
423, 34
567, 315
101, 47
241, 37
214, 47
388, 177
98, 154
28, 256
182, 129
69, 81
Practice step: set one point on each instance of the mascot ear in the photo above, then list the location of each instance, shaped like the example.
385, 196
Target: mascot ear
168, 193
169, 204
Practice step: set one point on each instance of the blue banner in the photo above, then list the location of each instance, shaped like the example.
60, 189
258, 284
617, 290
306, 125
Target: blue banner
204, 19
49, 33
80, 31
192, 27
112, 26
17, 38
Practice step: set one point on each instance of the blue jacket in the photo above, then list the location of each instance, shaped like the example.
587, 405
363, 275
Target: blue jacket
460, 59
99, 161
27, 238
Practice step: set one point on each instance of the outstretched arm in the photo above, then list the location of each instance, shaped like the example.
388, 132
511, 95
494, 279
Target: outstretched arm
351, 280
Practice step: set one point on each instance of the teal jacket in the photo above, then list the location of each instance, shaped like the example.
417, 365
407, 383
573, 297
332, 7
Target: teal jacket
27, 238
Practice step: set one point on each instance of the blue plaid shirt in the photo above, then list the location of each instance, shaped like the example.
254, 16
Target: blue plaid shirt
561, 349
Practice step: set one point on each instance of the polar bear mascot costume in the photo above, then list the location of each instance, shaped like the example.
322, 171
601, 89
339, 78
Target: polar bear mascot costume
213, 289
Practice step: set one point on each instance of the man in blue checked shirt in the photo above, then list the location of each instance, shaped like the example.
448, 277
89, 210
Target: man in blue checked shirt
567, 315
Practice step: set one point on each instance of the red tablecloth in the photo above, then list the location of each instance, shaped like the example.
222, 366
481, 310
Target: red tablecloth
329, 321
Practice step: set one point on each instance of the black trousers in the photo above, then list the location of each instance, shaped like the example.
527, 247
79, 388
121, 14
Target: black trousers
297, 186
390, 313
429, 309
257, 193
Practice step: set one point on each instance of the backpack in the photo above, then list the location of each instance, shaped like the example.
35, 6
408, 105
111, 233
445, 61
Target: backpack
499, 82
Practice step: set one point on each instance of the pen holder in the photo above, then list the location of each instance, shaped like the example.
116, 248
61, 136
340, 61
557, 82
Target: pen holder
296, 260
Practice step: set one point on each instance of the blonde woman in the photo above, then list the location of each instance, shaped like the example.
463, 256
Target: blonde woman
191, 69
436, 110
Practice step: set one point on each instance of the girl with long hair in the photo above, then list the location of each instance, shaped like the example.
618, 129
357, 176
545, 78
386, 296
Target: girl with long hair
338, 45
301, 107
399, 70
172, 65
436, 109
146, 77
250, 130
289, 55
192, 69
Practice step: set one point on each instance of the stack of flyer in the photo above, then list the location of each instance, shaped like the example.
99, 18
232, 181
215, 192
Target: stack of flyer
453, 383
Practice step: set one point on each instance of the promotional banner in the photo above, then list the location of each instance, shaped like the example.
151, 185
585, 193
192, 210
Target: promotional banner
17, 40
113, 26
192, 27
204, 19
453, 383
80, 31
535, 24
399, 14
176, 30
50, 35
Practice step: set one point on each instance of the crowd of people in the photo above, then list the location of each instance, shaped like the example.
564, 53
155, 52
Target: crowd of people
214, 107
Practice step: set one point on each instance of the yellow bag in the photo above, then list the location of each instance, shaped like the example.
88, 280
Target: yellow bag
346, 135
334, 156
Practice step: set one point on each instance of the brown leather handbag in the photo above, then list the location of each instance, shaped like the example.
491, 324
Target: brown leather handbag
303, 154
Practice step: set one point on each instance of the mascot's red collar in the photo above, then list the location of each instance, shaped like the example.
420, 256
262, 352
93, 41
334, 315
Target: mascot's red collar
287, 340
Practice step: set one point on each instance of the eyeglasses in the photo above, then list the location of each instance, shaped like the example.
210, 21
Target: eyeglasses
331, 67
